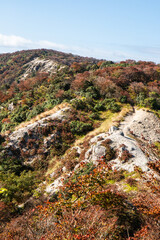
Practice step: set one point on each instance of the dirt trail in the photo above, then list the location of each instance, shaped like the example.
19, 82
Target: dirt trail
145, 127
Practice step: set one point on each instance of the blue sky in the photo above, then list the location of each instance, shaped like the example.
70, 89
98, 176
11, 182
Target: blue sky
106, 29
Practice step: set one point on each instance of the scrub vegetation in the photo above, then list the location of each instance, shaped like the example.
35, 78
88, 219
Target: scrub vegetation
94, 201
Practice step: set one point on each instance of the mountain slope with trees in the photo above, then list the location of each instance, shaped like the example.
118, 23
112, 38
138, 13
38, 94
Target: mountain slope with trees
63, 149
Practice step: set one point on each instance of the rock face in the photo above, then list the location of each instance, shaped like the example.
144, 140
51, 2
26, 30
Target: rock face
11, 107
53, 187
95, 152
41, 65
120, 143
33, 142
17, 135
48, 140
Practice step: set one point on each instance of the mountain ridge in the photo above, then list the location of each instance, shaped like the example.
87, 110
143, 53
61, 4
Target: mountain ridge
79, 147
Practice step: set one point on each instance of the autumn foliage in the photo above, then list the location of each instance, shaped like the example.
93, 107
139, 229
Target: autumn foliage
92, 202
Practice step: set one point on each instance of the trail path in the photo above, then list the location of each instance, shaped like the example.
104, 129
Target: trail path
145, 126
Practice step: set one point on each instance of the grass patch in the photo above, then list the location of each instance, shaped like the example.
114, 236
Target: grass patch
111, 181
54, 164
111, 119
128, 188
131, 174
157, 144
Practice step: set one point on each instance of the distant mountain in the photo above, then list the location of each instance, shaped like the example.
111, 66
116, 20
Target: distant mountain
14, 64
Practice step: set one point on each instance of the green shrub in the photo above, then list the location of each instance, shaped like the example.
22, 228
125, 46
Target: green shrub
6, 126
100, 106
140, 99
123, 99
35, 111
95, 116
79, 104
112, 105
19, 115
3, 114
153, 103
84, 104
80, 128
17, 189
13, 165
92, 92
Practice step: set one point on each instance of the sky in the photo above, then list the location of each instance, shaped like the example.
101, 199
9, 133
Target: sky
105, 29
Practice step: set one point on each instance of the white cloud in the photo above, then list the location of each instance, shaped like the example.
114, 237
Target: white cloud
13, 41
149, 50
110, 52
48, 44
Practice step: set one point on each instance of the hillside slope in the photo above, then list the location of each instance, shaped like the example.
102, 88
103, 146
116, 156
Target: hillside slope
79, 147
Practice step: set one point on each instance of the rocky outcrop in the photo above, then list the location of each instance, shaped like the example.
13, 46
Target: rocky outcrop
53, 187
11, 107
41, 65
120, 144
127, 151
32, 142
17, 135
50, 139
97, 150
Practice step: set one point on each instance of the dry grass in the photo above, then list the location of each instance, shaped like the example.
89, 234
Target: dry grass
111, 119
54, 164
43, 115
